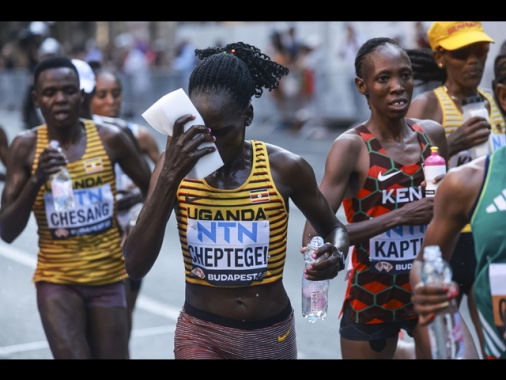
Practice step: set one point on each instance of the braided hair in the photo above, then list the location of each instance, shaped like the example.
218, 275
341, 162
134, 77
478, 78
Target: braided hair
425, 68
240, 69
368, 47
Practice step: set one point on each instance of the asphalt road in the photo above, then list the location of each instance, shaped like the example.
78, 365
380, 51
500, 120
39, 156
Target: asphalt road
162, 293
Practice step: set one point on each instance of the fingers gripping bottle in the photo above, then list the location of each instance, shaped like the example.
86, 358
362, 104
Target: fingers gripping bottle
314, 293
475, 106
445, 331
61, 186
434, 166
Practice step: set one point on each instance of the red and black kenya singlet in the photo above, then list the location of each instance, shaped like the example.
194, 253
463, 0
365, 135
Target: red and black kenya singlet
378, 287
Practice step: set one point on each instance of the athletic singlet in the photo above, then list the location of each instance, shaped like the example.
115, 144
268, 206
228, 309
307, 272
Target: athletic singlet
123, 182
453, 119
237, 237
378, 289
488, 222
80, 246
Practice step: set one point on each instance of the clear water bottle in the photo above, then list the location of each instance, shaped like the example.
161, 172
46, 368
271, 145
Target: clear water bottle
61, 186
314, 293
434, 166
475, 106
445, 331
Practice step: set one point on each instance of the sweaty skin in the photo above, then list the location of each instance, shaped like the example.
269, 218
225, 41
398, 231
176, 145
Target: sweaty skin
74, 328
387, 84
251, 303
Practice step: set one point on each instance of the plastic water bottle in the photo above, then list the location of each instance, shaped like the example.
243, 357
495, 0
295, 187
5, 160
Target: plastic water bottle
434, 166
445, 331
475, 106
314, 293
61, 186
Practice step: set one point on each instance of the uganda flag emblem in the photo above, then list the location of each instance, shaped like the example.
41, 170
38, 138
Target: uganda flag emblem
259, 196
93, 165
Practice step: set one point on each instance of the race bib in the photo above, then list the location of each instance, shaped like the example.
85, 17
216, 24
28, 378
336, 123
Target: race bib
228, 253
497, 276
92, 214
393, 251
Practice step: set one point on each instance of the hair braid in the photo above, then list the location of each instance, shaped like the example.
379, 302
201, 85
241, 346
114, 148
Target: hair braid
425, 68
239, 68
368, 47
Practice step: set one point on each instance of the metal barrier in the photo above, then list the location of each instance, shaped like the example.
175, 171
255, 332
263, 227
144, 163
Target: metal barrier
334, 104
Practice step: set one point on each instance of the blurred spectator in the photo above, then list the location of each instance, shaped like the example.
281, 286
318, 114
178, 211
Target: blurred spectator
397, 32
122, 44
421, 35
31, 115
309, 64
291, 42
93, 52
49, 47
7, 64
285, 97
184, 63
31, 39
136, 67
7, 59
277, 50
155, 54
347, 52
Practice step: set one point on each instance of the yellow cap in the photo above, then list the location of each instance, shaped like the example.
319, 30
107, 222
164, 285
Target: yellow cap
453, 35
434, 148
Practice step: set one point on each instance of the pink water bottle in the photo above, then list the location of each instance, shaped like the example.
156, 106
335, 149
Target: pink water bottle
434, 166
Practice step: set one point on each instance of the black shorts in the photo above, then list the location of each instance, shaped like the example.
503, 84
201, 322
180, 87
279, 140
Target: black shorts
463, 263
373, 332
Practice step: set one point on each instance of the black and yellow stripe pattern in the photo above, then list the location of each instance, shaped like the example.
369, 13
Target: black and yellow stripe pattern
89, 258
256, 199
452, 117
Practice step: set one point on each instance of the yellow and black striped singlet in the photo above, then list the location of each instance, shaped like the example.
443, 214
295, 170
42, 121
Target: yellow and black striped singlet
82, 245
234, 238
453, 119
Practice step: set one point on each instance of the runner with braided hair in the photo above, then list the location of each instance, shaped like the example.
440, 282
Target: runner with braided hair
232, 224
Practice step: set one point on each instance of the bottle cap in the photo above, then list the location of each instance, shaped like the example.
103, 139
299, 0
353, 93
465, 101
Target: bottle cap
431, 252
434, 149
317, 241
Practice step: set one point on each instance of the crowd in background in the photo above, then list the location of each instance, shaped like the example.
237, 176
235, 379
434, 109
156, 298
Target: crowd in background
21, 50
297, 100
137, 55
